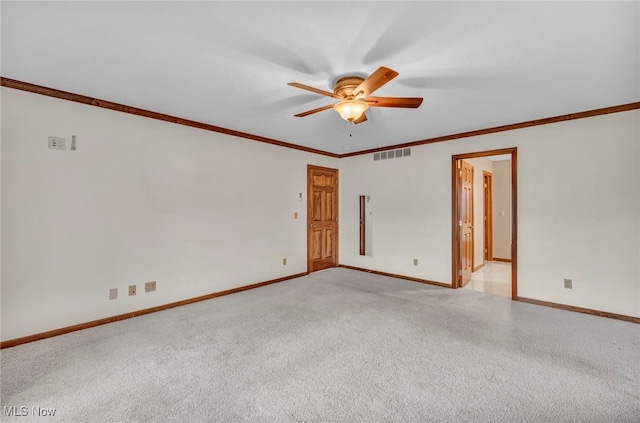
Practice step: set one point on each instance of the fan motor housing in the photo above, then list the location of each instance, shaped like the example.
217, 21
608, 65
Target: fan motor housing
345, 86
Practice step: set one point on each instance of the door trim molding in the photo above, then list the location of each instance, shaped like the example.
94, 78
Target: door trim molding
487, 220
455, 231
362, 224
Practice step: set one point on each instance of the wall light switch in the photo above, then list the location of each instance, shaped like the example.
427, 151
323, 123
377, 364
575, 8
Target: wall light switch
415, 262
113, 294
57, 143
295, 215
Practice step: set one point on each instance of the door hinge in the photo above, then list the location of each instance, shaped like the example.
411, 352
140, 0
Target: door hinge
460, 272
460, 223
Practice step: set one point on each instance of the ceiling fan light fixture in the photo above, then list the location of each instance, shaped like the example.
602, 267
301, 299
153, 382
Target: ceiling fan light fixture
350, 110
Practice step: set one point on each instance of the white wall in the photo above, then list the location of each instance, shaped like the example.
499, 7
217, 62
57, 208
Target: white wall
479, 164
572, 223
140, 200
502, 209
201, 212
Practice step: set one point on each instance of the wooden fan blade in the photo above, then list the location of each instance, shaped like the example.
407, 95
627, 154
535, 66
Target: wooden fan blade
374, 81
315, 90
407, 102
310, 112
360, 119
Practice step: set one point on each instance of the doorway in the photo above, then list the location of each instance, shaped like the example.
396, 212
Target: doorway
483, 224
322, 218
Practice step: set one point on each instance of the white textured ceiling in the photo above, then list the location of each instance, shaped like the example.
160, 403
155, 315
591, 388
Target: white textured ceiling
477, 64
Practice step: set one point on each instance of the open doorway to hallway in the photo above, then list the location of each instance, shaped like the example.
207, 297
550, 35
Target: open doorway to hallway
491, 198
493, 278
484, 222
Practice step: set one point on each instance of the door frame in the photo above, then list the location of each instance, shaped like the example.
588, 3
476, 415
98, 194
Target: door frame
487, 211
310, 168
455, 214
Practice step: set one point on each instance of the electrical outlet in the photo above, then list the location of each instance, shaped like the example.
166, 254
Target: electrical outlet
568, 283
150, 286
415, 262
113, 294
57, 143
284, 261
132, 290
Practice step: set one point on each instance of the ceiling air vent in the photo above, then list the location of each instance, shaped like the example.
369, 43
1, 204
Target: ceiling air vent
392, 154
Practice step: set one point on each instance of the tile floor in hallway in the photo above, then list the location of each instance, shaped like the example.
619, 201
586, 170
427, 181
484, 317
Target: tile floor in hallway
493, 278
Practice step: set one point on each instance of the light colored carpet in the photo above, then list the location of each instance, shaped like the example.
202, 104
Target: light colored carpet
336, 346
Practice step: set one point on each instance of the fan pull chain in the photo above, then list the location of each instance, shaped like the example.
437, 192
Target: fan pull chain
350, 125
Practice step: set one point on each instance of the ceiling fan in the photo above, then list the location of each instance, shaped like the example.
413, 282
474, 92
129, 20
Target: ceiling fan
354, 95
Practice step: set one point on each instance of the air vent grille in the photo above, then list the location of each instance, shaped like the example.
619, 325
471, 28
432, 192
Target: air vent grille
392, 154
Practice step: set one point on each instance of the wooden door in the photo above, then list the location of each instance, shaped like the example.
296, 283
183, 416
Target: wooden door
466, 216
322, 218
488, 216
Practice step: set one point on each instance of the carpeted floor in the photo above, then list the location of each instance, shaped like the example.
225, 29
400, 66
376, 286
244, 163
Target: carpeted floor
336, 346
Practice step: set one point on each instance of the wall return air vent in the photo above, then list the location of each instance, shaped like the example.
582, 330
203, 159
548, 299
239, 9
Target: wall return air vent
392, 154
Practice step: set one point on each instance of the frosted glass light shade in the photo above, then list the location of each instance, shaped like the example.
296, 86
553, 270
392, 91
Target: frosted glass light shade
351, 109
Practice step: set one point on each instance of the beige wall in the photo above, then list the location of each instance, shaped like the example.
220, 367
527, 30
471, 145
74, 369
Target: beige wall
502, 209
588, 232
140, 200
197, 211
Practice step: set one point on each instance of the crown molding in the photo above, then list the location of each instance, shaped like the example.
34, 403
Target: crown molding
78, 98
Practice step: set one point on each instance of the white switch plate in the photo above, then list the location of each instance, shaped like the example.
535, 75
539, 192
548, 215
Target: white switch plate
57, 143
